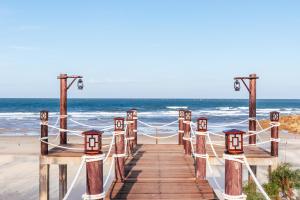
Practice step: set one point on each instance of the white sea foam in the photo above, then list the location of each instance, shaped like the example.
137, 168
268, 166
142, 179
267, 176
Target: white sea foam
177, 107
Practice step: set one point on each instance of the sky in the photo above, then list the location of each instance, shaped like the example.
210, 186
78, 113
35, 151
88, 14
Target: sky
149, 49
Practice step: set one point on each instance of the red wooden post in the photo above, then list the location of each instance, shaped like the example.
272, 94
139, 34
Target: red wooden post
201, 148
274, 118
180, 126
63, 134
94, 168
187, 132
252, 116
135, 118
119, 149
233, 169
44, 132
252, 107
63, 107
129, 131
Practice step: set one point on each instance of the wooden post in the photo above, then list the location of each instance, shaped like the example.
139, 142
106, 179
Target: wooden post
233, 169
180, 126
274, 118
135, 118
119, 149
44, 132
44, 168
252, 107
187, 132
201, 148
63, 135
129, 131
252, 116
94, 169
44, 182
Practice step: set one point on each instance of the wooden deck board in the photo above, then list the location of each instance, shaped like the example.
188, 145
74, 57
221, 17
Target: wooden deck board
160, 172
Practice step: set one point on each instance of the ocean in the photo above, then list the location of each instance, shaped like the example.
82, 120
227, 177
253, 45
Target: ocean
21, 116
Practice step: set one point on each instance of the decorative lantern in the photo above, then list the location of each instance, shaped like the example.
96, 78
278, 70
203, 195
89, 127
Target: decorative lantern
80, 84
202, 124
274, 116
134, 112
187, 115
129, 115
119, 123
92, 142
181, 114
234, 141
237, 85
44, 115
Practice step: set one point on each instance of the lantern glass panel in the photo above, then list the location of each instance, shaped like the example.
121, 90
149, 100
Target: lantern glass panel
188, 116
237, 85
119, 124
80, 84
275, 116
181, 113
235, 142
202, 124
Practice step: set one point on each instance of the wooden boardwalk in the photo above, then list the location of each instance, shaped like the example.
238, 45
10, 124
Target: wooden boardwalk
160, 172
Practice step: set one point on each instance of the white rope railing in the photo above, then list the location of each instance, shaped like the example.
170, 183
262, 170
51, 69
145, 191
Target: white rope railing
157, 137
84, 159
59, 146
161, 126
92, 126
242, 159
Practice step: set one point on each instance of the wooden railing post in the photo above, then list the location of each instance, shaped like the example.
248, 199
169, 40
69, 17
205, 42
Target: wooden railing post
187, 132
44, 132
233, 168
201, 148
94, 166
119, 148
44, 168
129, 131
135, 118
274, 118
180, 126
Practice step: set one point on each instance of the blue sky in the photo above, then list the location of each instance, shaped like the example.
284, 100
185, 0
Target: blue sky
159, 49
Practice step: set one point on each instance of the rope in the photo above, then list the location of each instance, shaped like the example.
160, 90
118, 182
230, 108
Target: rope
255, 179
84, 159
93, 196
92, 126
158, 137
152, 126
232, 124
59, 146
234, 197
242, 159
74, 180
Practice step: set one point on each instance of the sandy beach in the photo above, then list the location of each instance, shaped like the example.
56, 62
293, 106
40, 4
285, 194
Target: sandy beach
19, 164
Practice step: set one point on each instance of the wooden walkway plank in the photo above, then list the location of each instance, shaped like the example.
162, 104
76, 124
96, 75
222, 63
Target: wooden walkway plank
160, 172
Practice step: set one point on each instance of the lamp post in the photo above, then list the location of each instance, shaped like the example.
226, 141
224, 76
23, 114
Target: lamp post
64, 86
251, 87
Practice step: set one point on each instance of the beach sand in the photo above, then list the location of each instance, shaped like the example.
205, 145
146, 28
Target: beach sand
19, 165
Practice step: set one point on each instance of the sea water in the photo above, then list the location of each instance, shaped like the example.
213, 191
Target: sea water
21, 116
